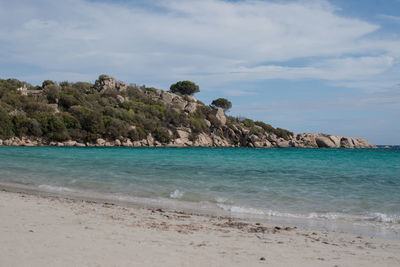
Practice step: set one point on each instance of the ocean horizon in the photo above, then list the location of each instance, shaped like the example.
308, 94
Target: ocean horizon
346, 190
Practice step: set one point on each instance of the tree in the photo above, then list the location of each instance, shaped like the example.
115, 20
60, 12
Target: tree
47, 83
223, 103
185, 88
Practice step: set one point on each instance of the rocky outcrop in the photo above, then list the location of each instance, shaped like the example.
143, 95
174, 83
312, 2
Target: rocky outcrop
231, 137
220, 115
330, 141
203, 140
324, 141
107, 83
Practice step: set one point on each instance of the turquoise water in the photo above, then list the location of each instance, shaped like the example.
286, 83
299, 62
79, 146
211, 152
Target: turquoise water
360, 185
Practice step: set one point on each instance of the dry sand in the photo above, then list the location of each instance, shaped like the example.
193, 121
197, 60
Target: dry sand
49, 231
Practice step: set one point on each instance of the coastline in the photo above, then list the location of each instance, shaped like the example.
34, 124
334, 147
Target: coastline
59, 231
305, 140
324, 224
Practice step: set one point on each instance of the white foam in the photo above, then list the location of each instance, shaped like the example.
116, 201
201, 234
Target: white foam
384, 218
176, 194
220, 199
51, 188
240, 209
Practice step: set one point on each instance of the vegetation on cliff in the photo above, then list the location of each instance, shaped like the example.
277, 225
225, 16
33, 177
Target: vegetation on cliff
112, 110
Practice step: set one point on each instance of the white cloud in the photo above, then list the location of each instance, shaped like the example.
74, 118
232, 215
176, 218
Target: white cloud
212, 41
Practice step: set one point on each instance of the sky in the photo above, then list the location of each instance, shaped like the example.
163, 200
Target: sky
305, 65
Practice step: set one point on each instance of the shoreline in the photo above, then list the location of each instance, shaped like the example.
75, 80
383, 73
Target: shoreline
58, 231
210, 210
296, 141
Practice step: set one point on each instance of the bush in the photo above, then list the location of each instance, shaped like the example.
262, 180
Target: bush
83, 87
265, 126
67, 101
90, 120
283, 133
11, 84
53, 127
185, 88
161, 135
24, 126
6, 125
115, 128
138, 134
223, 103
47, 83
70, 121
52, 93
248, 123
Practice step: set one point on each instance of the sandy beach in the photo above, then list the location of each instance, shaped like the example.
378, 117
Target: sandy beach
54, 231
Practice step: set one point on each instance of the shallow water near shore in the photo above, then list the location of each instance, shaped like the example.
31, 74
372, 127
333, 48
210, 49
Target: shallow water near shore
335, 189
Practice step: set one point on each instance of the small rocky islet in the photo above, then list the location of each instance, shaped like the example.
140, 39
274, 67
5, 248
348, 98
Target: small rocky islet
110, 113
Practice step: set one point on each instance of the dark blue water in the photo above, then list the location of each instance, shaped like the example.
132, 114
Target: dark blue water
336, 184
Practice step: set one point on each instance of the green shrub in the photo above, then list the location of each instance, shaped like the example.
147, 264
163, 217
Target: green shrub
53, 127
283, 133
161, 135
47, 83
70, 121
6, 124
67, 101
138, 134
90, 120
11, 84
52, 93
265, 126
114, 128
248, 123
83, 87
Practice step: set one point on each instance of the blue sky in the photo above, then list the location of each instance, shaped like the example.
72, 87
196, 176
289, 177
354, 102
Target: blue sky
306, 65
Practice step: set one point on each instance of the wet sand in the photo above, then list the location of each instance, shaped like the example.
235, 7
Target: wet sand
57, 231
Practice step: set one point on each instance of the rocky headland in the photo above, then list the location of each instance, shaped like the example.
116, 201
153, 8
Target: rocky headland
110, 113
205, 140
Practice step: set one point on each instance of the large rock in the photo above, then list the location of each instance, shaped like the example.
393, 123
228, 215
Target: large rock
120, 99
346, 142
105, 83
100, 142
220, 115
203, 140
283, 144
364, 143
335, 139
69, 143
325, 142
349, 142
127, 143
7, 142
167, 97
179, 102
183, 133
150, 140
191, 107
218, 141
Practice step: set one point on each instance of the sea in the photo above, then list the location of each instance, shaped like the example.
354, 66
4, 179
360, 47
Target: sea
344, 190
